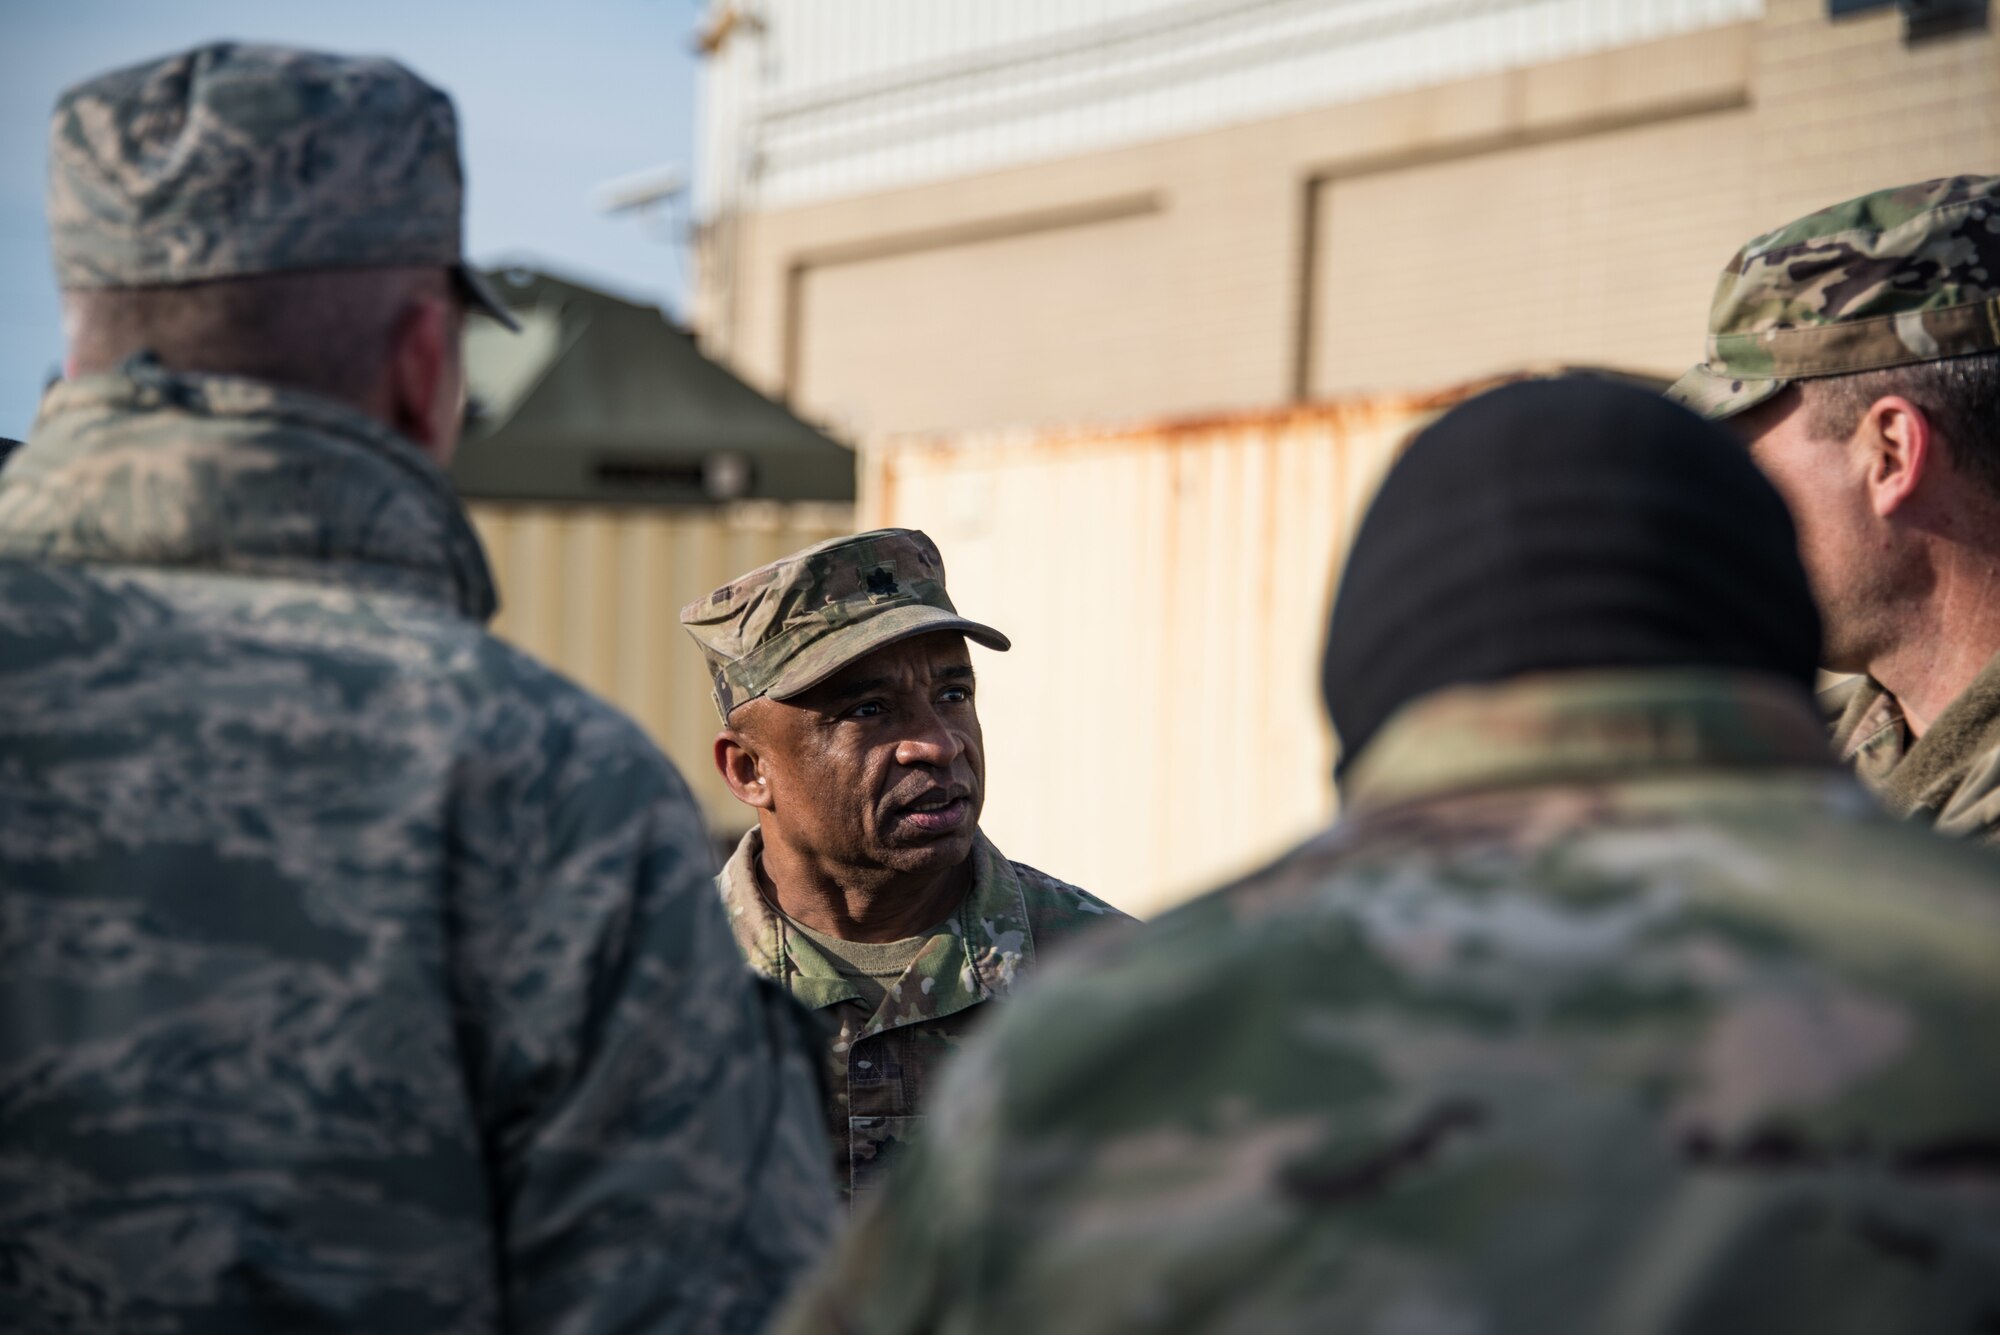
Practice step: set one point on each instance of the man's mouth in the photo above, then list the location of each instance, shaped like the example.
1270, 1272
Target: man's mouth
940, 813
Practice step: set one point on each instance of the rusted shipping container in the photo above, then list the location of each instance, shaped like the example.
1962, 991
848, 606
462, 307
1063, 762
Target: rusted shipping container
1157, 727
595, 591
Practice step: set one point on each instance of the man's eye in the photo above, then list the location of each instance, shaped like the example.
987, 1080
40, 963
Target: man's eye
868, 709
956, 695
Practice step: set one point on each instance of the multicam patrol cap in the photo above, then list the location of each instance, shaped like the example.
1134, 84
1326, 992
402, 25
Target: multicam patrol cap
785, 627
1896, 277
230, 160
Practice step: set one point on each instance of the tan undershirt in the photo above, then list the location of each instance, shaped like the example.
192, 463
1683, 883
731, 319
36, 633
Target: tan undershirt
872, 966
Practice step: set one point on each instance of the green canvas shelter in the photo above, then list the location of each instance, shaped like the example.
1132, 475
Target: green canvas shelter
599, 399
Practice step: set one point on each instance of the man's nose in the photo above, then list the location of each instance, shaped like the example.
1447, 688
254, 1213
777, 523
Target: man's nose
931, 741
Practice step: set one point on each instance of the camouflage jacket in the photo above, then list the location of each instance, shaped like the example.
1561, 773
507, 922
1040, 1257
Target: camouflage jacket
880, 1071
356, 971
1949, 778
1613, 1006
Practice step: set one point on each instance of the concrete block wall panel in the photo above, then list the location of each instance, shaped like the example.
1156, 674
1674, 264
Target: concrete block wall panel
1574, 209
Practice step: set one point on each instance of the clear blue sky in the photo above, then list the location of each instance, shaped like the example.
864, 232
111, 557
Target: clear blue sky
553, 100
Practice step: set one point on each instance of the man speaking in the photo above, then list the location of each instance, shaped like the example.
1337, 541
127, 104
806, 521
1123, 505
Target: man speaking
866, 889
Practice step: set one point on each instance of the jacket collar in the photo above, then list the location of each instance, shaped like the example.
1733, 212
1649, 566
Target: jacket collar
1922, 775
153, 468
975, 955
1578, 726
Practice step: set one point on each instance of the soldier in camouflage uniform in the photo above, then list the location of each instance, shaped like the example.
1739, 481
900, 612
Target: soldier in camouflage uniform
1858, 350
866, 888
1611, 1005
359, 973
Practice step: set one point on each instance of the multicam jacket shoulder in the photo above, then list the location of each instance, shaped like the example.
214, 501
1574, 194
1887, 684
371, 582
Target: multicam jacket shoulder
1949, 778
356, 971
1611, 1006
880, 1068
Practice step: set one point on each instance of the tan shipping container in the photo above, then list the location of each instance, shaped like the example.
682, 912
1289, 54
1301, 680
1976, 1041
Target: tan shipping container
1157, 727
595, 591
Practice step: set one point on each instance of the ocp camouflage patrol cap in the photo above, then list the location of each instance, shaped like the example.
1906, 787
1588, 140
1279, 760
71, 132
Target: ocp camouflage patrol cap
1900, 276
230, 160
788, 626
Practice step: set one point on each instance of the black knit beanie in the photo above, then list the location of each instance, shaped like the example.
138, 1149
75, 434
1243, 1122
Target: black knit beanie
1570, 523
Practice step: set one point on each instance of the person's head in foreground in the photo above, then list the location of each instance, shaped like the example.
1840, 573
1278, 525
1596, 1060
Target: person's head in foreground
1857, 350
361, 973
1610, 1004
287, 216
851, 728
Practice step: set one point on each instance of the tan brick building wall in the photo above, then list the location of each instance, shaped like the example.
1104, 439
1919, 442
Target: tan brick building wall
1573, 212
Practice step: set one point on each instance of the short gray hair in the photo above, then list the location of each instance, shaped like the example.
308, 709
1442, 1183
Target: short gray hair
328, 331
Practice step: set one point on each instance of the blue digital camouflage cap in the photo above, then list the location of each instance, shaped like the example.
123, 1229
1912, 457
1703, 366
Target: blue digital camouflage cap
231, 160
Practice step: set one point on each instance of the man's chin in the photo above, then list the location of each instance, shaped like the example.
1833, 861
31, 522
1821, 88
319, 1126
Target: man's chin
935, 854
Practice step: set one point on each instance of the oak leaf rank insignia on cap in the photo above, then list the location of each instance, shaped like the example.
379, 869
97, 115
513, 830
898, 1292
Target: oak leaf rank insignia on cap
785, 627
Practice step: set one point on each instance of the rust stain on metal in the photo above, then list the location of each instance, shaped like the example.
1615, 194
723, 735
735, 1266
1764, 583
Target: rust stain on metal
1228, 530
1201, 428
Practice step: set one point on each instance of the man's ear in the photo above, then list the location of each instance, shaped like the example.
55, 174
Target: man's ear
737, 762
1901, 451
424, 378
